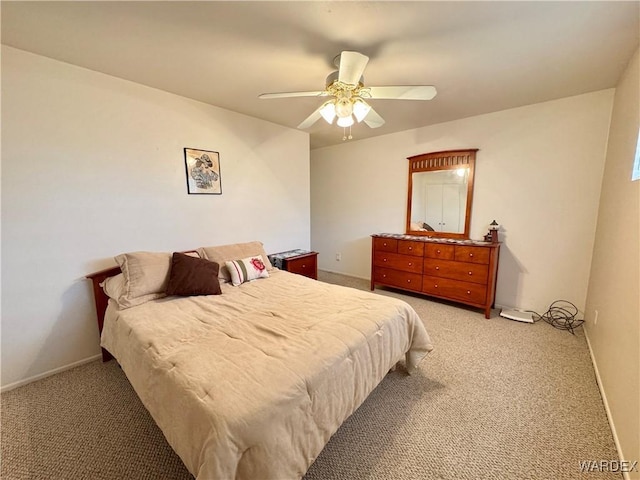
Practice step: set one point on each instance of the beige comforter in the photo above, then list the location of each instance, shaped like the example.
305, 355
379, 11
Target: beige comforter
251, 384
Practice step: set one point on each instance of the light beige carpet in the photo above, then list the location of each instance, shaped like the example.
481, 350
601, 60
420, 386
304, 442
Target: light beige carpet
496, 399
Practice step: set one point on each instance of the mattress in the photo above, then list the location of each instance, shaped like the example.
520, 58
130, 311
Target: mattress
254, 382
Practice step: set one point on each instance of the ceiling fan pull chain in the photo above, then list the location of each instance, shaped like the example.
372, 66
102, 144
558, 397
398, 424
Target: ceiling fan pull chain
344, 134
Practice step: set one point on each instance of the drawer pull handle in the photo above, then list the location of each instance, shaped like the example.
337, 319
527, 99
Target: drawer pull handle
409, 280
384, 244
410, 248
470, 273
468, 292
437, 251
410, 264
437, 268
471, 254
384, 275
304, 266
384, 259
436, 285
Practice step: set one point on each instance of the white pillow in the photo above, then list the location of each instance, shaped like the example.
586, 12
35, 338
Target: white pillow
247, 269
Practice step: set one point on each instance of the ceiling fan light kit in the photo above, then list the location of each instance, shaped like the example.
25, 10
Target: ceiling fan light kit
328, 112
346, 86
345, 121
361, 109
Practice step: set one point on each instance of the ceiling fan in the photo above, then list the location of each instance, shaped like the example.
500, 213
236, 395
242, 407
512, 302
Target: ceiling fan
346, 86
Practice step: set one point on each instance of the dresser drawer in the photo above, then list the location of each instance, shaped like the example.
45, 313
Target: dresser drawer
435, 250
408, 247
385, 244
454, 289
472, 254
307, 266
467, 272
396, 278
406, 263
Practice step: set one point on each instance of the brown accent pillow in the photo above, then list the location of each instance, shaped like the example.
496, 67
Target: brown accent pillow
193, 276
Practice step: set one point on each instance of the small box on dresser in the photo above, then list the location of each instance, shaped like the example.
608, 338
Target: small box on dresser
462, 271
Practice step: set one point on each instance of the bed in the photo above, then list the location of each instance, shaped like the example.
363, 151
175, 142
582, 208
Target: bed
250, 382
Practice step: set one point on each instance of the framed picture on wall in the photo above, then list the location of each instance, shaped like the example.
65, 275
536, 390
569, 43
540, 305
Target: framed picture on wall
203, 171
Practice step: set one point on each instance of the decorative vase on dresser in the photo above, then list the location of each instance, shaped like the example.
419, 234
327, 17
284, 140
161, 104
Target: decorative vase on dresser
463, 271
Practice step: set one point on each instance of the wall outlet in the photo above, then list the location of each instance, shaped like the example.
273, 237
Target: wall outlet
338, 257
595, 317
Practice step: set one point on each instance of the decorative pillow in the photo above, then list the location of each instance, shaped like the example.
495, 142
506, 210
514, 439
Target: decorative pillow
193, 276
146, 275
247, 269
226, 253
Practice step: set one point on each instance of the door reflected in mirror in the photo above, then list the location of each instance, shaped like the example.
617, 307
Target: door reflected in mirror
441, 194
439, 200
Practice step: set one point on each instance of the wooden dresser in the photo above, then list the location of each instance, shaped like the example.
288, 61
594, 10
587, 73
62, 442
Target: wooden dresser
462, 271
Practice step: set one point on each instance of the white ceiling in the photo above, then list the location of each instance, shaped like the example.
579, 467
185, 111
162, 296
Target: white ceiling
481, 56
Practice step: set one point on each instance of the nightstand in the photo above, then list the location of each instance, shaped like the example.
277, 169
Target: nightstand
302, 262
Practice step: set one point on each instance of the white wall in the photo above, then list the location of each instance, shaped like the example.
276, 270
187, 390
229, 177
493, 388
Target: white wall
538, 173
614, 286
93, 166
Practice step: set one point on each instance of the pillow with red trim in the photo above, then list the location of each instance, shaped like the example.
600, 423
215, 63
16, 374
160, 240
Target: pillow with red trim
247, 269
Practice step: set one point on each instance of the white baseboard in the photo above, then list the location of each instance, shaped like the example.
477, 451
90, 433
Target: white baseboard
606, 404
40, 376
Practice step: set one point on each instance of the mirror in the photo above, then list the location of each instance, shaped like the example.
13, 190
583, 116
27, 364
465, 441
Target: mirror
441, 194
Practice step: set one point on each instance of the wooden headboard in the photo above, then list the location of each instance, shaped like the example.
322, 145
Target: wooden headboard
101, 299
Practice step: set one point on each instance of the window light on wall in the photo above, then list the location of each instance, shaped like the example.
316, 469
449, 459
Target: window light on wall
635, 173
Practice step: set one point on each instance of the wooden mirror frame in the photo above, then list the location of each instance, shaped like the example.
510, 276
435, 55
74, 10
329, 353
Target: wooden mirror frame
438, 161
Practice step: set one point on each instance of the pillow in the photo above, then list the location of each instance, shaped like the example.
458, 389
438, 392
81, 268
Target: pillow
114, 286
226, 253
193, 276
145, 274
247, 269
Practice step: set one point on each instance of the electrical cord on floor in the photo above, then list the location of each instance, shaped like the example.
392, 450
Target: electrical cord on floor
561, 314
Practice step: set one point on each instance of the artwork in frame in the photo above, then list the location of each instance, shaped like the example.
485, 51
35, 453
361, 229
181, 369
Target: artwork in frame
203, 171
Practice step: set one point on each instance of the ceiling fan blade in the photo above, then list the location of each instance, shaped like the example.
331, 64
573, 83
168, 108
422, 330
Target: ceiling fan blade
373, 119
351, 67
293, 94
403, 92
311, 119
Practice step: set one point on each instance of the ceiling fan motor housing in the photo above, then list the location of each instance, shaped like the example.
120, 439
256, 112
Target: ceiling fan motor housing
333, 77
